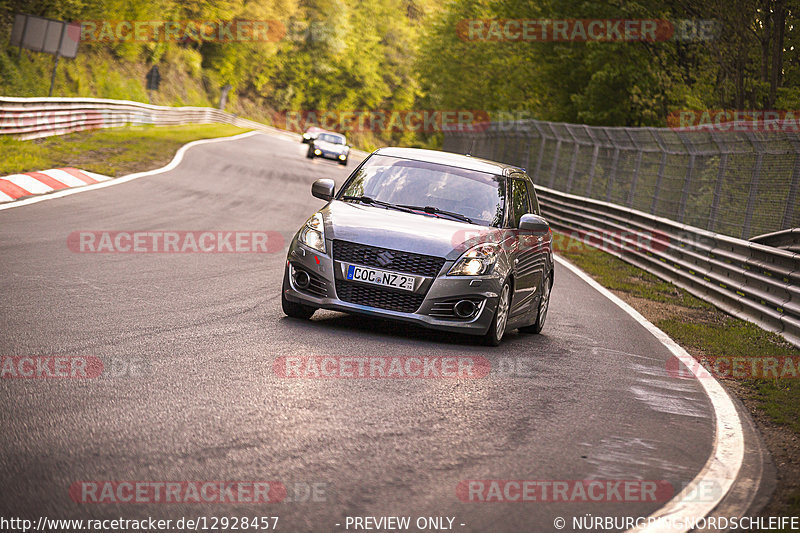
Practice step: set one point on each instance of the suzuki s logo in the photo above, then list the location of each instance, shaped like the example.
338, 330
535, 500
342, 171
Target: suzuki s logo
385, 258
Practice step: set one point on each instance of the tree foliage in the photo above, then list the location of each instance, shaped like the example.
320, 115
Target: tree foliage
408, 54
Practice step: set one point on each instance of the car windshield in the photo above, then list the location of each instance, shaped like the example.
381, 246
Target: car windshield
477, 195
333, 139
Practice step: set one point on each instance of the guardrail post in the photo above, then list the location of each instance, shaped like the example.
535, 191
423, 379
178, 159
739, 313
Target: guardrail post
751, 199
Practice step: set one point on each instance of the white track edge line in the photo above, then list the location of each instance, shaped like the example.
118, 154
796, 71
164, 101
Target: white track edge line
176, 160
727, 451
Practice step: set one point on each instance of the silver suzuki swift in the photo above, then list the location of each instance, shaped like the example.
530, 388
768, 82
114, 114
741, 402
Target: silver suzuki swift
447, 241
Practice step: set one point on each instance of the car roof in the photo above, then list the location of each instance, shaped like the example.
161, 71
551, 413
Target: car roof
450, 159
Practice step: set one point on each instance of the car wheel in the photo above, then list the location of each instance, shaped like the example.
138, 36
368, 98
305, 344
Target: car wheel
296, 310
541, 312
498, 326
310, 154
343, 163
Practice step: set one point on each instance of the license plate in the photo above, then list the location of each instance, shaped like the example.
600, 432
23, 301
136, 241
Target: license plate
380, 277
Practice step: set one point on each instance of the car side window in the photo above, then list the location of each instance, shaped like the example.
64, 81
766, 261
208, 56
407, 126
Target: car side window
533, 200
519, 201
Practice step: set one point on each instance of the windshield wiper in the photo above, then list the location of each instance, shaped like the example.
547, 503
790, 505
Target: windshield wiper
436, 211
368, 200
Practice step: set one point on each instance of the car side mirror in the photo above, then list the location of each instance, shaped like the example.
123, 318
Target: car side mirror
534, 223
323, 189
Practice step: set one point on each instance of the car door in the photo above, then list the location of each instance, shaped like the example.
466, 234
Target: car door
526, 257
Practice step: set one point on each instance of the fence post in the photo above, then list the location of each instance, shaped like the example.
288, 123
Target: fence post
723, 166
541, 150
556, 155
751, 199
595, 153
612, 176
574, 160
661, 166
502, 148
639, 153
526, 142
791, 199
689, 175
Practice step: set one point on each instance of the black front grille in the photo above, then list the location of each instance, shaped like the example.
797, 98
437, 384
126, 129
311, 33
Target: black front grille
404, 302
398, 261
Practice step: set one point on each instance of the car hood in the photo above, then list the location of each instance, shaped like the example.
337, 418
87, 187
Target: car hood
330, 147
388, 228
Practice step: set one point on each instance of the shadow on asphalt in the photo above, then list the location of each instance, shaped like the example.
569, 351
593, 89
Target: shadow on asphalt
341, 323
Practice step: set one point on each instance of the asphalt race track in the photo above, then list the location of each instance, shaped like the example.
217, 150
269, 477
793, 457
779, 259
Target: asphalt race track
192, 338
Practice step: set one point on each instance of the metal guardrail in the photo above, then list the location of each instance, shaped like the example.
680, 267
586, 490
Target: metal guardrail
747, 279
788, 239
31, 118
750, 281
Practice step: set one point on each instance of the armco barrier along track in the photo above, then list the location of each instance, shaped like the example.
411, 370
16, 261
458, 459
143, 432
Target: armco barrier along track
749, 280
30, 118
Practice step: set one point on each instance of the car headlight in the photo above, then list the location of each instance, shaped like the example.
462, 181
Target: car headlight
476, 261
317, 152
313, 233
306, 136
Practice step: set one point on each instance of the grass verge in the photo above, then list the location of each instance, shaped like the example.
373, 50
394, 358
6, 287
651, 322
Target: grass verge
113, 152
706, 332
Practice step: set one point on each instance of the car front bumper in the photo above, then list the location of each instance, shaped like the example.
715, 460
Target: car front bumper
331, 155
437, 293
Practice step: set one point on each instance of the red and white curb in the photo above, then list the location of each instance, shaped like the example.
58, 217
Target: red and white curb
29, 183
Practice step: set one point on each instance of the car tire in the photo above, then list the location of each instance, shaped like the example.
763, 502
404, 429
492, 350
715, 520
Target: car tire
296, 310
310, 154
343, 163
541, 311
497, 328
